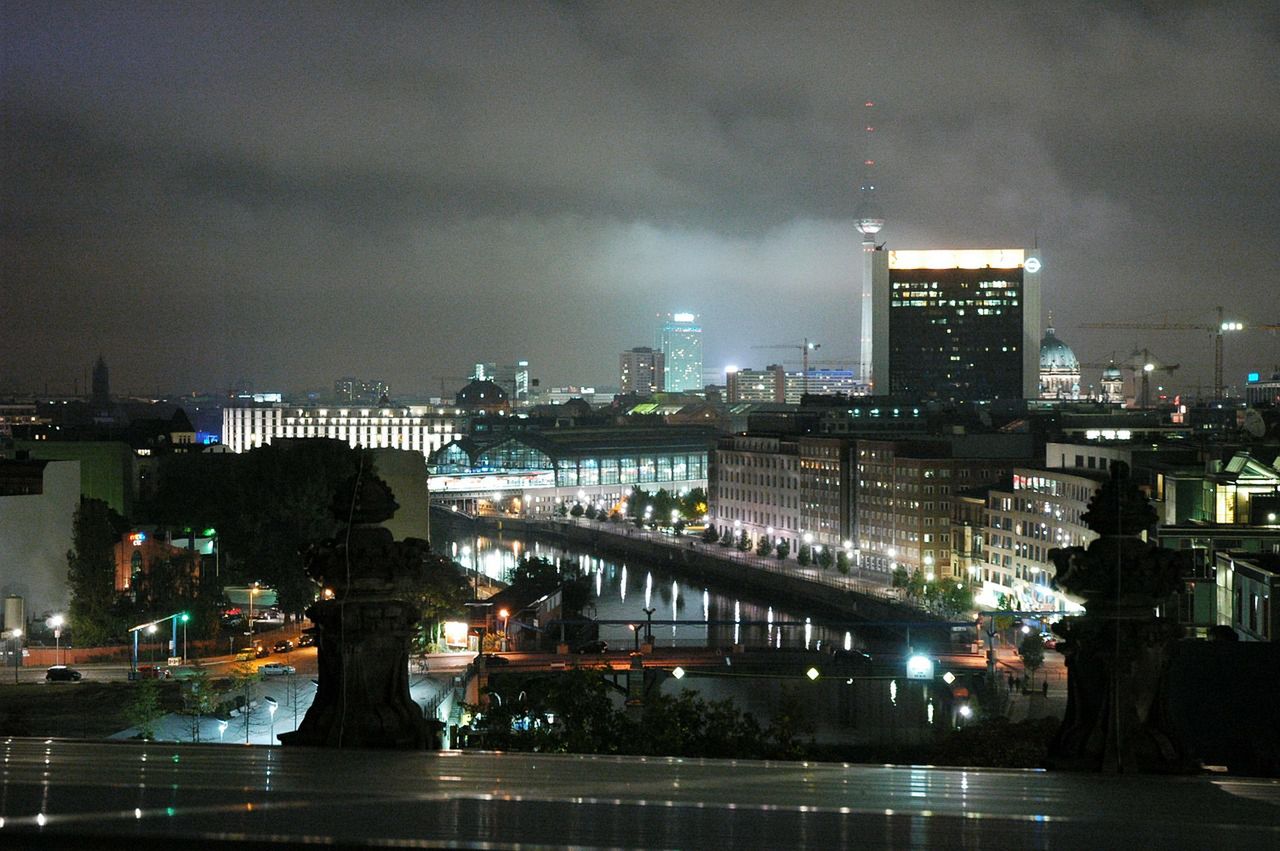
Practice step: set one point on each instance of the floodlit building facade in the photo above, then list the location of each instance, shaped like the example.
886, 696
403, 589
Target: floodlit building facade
641, 370
679, 339
417, 427
956, 324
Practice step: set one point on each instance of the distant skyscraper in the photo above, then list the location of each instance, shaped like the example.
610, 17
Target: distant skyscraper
641, 370
359, 391
100, 401
680, 341
957, 324
512, 378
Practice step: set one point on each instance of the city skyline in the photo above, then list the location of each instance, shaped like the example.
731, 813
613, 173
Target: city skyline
204, 195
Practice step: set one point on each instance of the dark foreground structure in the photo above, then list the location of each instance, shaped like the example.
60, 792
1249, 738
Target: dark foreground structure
63, 794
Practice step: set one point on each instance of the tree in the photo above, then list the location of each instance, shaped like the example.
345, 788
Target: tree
693, 505
143, 709
199, 698
562, 510
784, 550
91, 573
901, 578
744, 541
535, 573
842, 561
763, 546
710, 535
825, 558
1031, 649
577, 510
268, 506
726, 540
804, 555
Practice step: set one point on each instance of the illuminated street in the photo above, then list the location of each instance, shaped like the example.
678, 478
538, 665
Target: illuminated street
55, 790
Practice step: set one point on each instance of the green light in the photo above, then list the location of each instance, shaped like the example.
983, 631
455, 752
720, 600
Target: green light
184, 617
209, 533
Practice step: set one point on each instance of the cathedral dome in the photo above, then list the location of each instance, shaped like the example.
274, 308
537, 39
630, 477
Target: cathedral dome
1056, 356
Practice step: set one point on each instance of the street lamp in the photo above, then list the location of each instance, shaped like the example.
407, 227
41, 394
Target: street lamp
272, 706
504, 614
15, 638
184, 617
55, 623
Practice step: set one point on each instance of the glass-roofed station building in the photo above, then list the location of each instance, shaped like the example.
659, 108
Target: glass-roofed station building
533, 472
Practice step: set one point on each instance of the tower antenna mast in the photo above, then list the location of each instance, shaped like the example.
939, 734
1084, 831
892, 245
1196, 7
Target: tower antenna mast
870, 221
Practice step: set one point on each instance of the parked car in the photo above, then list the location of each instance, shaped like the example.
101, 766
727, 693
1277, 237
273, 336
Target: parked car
261, 651
62, 674
594, 647
153, 672
284, 645
246, 655
307, 639
276, 669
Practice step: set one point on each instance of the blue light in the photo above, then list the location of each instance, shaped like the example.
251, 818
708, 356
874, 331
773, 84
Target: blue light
1254, 377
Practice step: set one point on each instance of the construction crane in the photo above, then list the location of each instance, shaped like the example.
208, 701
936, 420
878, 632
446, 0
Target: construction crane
804, 347
1141, 363
1222, 327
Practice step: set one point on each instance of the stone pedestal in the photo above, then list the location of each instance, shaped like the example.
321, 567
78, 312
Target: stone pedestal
1118, 653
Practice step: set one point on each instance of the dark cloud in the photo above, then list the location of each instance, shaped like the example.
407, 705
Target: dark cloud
299, 191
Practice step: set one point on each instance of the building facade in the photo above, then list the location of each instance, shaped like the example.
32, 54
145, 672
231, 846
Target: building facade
641, 370
1059, 369
419, 428
360, 391
679, 338
903, 489
1248, 587
1040, 510
960, 325
533, 473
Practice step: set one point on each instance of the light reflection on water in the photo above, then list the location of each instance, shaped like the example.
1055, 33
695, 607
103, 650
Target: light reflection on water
746, 620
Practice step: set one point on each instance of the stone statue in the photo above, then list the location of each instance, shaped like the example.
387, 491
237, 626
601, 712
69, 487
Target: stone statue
1117, 654
363, 626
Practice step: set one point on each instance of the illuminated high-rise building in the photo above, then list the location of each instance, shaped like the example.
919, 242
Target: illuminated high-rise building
962, 324
679, 339
640, 370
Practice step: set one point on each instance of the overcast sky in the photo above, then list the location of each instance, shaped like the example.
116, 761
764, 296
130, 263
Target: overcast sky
288, 193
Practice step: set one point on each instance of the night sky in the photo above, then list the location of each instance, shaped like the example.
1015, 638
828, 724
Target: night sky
287, 193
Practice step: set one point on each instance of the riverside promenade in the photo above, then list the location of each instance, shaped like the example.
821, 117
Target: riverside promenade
861, 595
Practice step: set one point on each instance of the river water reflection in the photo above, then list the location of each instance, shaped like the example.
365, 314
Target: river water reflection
708, 614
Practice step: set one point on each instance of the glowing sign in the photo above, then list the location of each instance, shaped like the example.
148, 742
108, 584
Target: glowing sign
1254, 377
1032, 265
137, 538
455, 633
966, 258
683, 317
919, 667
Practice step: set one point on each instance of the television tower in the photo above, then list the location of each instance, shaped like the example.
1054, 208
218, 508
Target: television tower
869, 223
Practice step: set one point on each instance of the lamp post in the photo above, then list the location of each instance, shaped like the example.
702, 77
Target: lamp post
648, 627
272, 706
15, 643
504, 614
55, 623
184, 617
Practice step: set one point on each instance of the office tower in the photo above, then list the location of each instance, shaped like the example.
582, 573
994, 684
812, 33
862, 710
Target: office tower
957, 324
641, 370
512, 378
680, 341
360, 391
